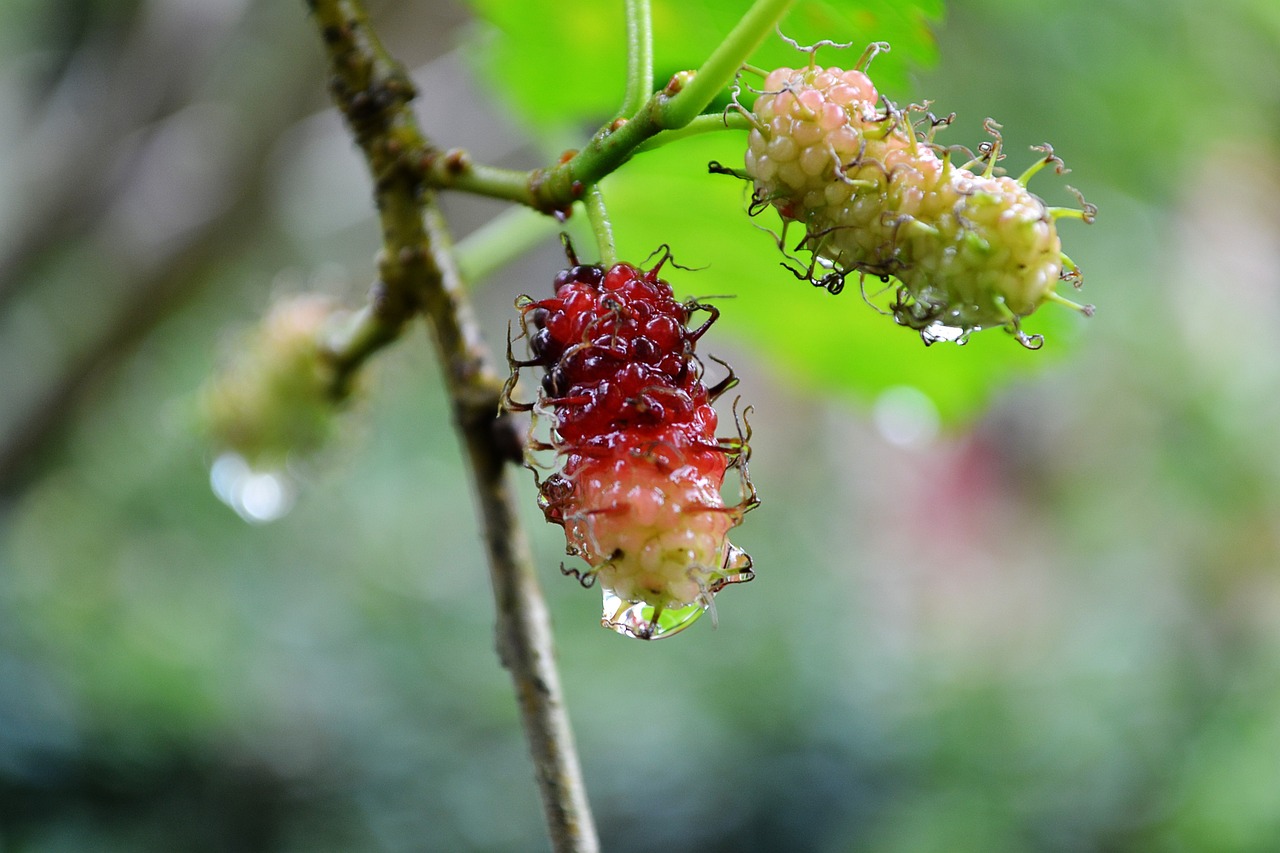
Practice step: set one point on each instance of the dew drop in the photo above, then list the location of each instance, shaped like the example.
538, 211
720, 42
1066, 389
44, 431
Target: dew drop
643, 621
258, 497
940, 332
737, 565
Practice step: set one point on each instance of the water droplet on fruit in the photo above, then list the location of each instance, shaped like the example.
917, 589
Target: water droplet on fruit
940, 332
257, 496
643, 621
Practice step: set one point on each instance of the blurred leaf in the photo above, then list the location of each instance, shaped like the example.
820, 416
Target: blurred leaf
811, 338
562, 63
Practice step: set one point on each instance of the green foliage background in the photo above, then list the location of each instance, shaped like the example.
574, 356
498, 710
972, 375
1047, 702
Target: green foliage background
1053, 626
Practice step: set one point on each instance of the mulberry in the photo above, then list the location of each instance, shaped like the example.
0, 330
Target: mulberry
639, 474
875, 196
274, 397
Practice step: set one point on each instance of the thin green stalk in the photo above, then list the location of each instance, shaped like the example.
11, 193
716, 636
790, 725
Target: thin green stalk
722, 65
454, 169
639, 57
363, 334
680, 103
598, 213
700, 125
666, 110
501, 240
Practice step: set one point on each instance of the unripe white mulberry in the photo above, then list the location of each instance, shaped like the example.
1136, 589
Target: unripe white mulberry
969, 250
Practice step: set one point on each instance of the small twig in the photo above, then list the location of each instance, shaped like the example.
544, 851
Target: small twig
525, 642
367, 331
673, 107
418, 271
679, 103
719, 69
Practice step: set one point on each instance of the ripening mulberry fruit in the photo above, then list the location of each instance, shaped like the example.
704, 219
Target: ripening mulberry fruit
875, 196
637, 486
274, 398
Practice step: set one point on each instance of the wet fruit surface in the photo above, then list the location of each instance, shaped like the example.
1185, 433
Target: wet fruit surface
639, 467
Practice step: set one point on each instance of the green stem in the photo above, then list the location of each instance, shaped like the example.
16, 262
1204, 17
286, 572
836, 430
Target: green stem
700, 125
501, 240
668, 109
722, 65
639, 58
598, 213
454, 169
679, 104
363, 334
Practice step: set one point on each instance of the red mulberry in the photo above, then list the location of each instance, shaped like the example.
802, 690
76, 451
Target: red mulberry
640, 469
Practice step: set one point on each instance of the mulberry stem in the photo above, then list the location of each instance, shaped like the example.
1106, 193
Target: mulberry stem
555, 189
639, 58
730, 120
598, 213
722, 65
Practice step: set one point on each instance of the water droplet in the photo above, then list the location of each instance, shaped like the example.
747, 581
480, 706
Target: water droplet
935, 332
257, 496
740, 561
643, 621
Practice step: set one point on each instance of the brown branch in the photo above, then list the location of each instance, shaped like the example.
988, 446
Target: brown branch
417, 272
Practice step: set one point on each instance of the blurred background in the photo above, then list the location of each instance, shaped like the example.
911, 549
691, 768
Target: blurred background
1005, 601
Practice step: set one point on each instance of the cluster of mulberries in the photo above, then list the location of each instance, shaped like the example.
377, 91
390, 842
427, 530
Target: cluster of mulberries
637, 488
876, 197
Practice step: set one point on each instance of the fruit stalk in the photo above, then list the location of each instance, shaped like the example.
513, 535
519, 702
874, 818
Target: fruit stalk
644, 115
639, 57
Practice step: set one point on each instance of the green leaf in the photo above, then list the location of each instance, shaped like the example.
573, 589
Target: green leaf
810, 338
564, 63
